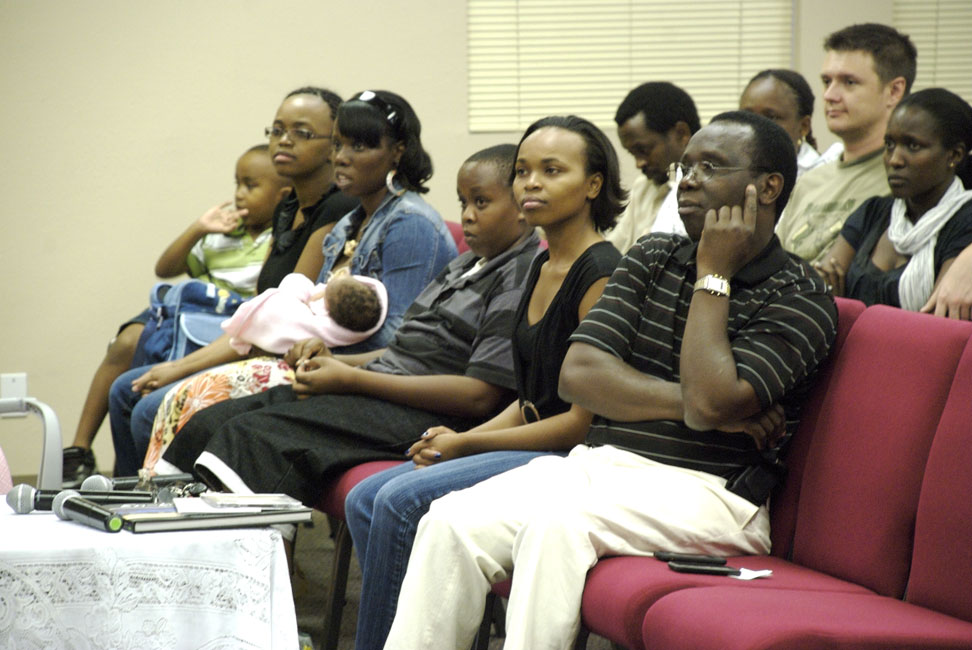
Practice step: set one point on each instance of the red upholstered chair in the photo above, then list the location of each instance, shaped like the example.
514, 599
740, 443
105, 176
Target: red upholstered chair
620, 590
879, 494
777, 619
332, 504
456, 230
941, 565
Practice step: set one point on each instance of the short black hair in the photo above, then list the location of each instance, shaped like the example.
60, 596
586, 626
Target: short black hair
953, 118
258, 147
332, 99
771, 150
357, 307
663, 105
601, 159
365, 122
893, 52
801, 91
501, 156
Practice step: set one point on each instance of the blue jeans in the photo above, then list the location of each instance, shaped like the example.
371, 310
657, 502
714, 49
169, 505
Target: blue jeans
383, 512
131, 417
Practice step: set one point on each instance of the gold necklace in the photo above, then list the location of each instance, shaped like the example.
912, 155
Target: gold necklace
351, 245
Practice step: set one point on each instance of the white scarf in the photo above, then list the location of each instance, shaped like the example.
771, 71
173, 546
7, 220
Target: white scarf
918, 240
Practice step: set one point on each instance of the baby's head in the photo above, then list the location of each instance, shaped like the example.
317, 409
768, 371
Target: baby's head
352, 304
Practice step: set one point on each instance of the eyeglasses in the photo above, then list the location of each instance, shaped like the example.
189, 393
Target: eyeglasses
705, 170
303, 135
389, 111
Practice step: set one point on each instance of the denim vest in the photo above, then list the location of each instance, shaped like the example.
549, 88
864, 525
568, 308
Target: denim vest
405, 245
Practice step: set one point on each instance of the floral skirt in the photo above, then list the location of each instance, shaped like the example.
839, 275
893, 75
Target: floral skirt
237, 379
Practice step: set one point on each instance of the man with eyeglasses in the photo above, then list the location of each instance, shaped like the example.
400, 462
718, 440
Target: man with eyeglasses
694, 361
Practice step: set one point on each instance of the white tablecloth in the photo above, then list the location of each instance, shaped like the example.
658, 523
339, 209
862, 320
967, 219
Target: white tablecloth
65, 585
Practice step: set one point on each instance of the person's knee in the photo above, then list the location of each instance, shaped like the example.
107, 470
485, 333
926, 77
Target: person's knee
121, 350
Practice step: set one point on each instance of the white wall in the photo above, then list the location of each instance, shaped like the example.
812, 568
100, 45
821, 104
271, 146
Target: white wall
122, 121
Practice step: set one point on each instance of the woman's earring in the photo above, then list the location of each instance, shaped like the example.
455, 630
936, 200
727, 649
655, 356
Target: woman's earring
390, 183
799, 143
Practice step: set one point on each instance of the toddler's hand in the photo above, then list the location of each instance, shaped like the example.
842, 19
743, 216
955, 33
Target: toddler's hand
221, 218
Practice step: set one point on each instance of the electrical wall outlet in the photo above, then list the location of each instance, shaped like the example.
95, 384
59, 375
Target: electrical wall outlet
13, 385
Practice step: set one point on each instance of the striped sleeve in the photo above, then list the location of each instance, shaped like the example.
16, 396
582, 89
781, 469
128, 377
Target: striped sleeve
613, 322
785, 341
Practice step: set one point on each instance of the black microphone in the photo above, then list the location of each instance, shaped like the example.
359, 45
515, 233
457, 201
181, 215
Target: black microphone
24, 498
99, 482
69, 504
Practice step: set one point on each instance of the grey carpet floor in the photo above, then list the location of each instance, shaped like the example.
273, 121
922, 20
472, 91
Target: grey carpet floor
313, 554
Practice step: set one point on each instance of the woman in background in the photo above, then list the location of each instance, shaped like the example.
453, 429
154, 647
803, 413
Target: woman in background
893, 249
785, 97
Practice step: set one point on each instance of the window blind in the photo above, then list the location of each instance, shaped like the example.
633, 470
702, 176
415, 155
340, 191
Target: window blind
532, 58
942, 32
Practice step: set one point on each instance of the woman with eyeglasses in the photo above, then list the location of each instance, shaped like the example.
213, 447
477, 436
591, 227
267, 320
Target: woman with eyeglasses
393, 236
300, 147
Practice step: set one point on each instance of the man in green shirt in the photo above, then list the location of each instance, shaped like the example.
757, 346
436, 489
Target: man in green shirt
867, 70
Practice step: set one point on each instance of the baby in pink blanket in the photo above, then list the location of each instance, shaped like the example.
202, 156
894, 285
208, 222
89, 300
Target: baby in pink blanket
347, 310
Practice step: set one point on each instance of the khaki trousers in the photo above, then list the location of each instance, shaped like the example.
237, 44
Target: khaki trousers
552, 519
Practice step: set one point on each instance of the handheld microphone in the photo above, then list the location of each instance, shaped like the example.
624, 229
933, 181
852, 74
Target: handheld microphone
103, 483
23, 498
69, 504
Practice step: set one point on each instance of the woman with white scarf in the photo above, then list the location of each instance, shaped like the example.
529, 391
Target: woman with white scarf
892, 250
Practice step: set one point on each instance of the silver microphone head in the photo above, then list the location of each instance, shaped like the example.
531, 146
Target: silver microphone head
58, 505
21, 498
97, 483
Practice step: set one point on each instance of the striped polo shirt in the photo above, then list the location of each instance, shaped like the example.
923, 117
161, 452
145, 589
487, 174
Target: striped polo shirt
781, 324
230, 261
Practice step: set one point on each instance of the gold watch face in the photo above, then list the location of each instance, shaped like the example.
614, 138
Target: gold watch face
713, 285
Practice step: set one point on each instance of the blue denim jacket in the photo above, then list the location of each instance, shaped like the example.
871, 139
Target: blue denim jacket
405, 246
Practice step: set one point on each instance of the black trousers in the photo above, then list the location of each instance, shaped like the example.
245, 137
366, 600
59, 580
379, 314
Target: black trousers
275, 442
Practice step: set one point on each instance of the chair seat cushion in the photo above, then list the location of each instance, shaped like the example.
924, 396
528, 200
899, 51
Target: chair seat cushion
724, 618
332, 500
620, 590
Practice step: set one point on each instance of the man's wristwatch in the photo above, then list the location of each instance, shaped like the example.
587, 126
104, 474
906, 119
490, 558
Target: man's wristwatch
714, 284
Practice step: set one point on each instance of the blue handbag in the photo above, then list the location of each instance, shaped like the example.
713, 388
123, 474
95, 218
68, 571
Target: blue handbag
186, 317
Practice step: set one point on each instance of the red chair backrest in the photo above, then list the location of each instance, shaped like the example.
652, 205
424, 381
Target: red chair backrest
455, 229
783, 505
859, 495
941, 565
